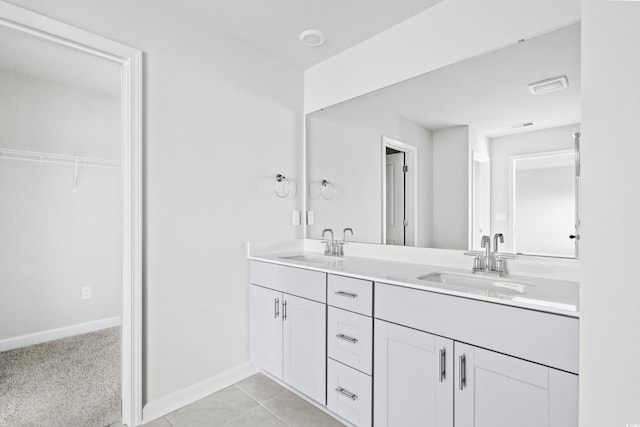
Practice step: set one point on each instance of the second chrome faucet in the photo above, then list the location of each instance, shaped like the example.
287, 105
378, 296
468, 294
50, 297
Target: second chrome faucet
335, 247
488, 261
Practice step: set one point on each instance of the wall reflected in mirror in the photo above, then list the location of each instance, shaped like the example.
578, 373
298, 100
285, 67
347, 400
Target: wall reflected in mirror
468, 150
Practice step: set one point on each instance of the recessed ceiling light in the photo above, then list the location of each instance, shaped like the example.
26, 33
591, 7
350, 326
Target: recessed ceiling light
549, 85
312, 38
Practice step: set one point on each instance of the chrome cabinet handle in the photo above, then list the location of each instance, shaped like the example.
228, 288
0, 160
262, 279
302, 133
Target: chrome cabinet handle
346, 294
346, 393
277, 308
443, 364
284, 310
347, 338
463, 373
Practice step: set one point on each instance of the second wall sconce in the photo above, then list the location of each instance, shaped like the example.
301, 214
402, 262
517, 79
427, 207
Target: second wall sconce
327, 190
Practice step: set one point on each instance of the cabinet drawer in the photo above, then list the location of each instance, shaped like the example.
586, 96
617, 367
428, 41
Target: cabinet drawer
350, 339
545, 338
349, 393
350, 294
295, 281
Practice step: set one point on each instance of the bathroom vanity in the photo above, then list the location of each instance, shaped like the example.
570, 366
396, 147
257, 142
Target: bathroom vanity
383, 343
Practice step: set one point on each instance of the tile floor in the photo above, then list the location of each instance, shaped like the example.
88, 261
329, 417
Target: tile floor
256, 401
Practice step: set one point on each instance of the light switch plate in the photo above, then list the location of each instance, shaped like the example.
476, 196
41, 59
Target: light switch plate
295, 217
311, 217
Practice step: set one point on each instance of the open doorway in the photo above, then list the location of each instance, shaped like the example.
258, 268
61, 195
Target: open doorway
61, 233
69, 162
399, 174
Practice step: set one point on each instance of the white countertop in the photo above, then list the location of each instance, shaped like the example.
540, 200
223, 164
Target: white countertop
543, 294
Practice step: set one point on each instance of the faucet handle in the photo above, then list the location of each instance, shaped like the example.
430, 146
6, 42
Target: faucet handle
478, 263
504, 255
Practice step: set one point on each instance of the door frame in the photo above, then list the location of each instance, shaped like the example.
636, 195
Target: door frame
477, 157
130, 59
412, 162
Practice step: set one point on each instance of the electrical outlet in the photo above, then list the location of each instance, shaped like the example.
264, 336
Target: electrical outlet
311, 217
86, 292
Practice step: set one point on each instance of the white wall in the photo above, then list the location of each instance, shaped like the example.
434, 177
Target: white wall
502, 148
444, 34
610, 294
450, 188
221, 120
54, 241
345, 147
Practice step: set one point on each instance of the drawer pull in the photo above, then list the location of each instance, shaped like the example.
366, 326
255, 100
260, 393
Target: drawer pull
347, 338
346, 294
276, 313
463, 372
346, 393
284, 309
443, 364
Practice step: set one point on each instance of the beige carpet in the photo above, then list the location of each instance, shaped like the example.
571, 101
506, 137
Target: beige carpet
72, 382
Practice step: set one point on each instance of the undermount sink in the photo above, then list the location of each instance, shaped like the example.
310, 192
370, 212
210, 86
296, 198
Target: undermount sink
475, 282
312, 259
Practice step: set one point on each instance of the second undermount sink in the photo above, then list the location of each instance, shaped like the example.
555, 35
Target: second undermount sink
480, 283
312, 259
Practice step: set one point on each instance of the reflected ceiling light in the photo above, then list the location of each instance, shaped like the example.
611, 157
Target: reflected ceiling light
312, 38
549, 85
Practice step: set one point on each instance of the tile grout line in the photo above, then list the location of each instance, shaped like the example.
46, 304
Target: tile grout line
264, 407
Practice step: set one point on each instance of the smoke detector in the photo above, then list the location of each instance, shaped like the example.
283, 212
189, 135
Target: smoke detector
312, 38
549, 85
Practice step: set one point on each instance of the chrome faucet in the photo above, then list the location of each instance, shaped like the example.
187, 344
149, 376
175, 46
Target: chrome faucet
495, 241
339, 245
487, 261
329, 245
486, 244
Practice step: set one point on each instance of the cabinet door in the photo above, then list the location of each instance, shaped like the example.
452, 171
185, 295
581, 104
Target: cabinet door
304, 343
265, 326
494, 390
412, 378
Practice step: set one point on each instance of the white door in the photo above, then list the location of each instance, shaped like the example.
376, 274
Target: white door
395, 204
265, 329
494, 390
413, 378
304, 335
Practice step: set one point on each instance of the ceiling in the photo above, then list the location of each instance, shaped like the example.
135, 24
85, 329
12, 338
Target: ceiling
273, 26
488, 92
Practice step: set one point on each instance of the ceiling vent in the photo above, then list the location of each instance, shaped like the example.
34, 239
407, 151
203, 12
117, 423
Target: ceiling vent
549, 85
312, 38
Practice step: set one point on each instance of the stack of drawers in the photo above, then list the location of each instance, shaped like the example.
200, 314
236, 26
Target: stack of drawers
349, 348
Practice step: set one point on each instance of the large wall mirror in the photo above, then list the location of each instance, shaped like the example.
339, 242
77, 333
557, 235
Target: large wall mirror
472, 149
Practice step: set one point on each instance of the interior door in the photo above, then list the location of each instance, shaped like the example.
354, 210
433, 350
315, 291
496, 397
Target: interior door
304, 348
413, 377
395, 203
265, 329
495, 390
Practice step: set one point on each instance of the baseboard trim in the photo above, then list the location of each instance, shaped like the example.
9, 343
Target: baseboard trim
190, 394
58, 333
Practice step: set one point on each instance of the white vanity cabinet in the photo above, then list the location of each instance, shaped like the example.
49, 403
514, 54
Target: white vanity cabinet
350, 348
288, 325
413, 378
538, 387
495, 390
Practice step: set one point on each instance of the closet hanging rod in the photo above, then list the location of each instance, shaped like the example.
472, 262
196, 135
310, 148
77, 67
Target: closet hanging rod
61, 159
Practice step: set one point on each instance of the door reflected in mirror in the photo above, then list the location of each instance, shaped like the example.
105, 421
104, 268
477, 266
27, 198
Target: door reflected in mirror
445, 158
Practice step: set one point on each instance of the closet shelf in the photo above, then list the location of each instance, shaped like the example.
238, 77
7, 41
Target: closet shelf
63, 159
